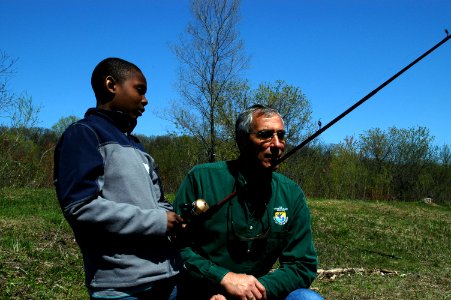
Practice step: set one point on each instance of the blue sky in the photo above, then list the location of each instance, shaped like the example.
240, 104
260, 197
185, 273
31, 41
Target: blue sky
335, 51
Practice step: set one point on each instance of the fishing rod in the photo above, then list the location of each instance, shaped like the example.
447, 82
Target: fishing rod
361, 101
200, 207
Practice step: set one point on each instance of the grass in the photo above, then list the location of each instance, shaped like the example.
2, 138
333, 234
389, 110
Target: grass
39, 258
395, 250
411, 240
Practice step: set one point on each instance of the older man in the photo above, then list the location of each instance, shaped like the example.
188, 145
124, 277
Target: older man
256, 218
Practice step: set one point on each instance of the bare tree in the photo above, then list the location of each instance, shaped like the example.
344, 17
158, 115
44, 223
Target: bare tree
25, 113
18, 111
210, 61
18, 114
6, 71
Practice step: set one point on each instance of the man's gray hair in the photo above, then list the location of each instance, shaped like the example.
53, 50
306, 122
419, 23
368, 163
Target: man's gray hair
243, 125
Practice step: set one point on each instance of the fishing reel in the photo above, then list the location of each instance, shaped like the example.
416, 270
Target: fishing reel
190, 211
200, 210
192, 214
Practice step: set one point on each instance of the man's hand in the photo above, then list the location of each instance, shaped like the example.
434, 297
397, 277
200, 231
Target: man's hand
174, 223
244, 287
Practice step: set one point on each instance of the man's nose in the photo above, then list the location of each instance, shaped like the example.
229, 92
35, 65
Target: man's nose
277, 143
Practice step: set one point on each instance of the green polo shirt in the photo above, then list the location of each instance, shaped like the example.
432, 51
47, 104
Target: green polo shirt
246, 234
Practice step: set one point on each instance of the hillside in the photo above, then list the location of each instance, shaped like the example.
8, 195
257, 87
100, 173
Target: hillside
367, 250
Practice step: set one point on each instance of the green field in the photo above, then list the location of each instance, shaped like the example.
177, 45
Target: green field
367, 250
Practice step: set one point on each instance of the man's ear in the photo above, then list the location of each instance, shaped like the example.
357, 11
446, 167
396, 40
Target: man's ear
110, 84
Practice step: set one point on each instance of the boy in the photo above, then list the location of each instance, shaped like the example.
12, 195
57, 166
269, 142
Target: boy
110, 193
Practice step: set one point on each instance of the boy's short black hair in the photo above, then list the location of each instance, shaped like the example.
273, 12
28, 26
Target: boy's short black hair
115, 67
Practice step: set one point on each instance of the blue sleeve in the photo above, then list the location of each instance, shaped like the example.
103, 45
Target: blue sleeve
78, 165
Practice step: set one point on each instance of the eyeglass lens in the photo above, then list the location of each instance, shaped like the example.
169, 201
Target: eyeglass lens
268, 134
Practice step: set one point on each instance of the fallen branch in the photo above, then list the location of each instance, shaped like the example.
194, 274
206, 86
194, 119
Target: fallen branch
332, 274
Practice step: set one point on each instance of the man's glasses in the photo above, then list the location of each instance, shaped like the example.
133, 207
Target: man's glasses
267, 134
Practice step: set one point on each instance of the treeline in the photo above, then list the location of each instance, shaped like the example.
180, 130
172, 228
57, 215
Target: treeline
399, 164
396, 164
26, 157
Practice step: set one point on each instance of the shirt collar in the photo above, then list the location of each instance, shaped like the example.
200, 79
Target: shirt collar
123, 121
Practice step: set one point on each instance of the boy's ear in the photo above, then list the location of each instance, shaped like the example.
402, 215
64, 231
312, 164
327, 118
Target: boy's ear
110, 84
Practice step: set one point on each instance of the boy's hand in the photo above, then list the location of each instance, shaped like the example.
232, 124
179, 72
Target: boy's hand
174, 223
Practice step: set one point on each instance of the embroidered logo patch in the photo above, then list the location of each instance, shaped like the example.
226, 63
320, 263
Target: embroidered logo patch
280, 215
